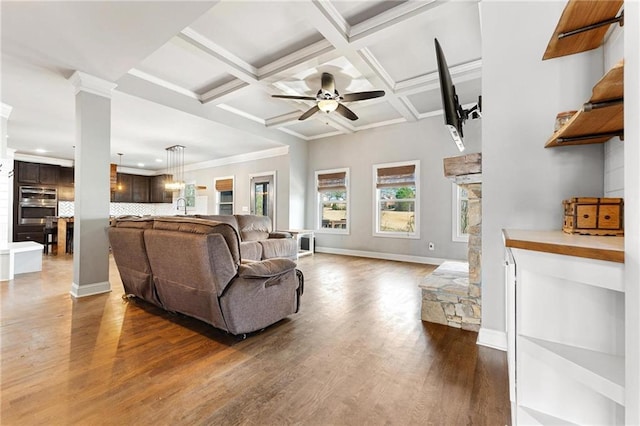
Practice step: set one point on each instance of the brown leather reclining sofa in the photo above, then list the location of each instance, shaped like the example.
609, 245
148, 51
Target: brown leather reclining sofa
193, 266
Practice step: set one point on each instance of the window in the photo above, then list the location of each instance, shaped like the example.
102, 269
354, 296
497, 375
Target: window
397, 199
333, 201
460, 208
224, 195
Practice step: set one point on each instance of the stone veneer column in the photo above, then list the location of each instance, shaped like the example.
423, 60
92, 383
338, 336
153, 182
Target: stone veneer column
92, 168
474, 220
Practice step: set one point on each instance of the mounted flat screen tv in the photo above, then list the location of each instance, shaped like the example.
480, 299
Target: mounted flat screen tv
454, 114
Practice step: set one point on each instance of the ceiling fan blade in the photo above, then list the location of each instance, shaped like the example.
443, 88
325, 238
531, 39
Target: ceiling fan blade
328, 84
302, 98
346, 112
361, 96
309, 113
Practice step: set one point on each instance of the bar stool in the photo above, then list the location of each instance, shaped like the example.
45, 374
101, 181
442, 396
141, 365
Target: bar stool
50, 233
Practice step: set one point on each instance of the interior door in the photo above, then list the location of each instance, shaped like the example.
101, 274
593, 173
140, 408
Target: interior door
263, 195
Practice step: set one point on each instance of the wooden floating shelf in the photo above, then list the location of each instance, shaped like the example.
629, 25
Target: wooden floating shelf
579, 14
586, 126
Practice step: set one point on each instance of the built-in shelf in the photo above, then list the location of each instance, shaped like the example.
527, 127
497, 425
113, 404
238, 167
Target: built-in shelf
543, 418
601, 118
580, 14
557, 242
601, 372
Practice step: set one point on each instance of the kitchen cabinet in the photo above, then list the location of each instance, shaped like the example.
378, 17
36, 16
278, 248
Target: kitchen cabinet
66, 189
140, 189
565, 327
158, 192
35, 173
124, 189
133, 189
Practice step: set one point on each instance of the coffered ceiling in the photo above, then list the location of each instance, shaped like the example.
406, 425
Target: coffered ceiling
201, 74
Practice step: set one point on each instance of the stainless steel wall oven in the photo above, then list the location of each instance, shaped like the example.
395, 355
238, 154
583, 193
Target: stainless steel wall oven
36, 203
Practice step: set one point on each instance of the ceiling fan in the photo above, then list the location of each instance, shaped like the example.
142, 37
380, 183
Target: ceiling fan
329, 100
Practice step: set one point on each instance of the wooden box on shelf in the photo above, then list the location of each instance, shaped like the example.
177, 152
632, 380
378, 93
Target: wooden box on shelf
593, 216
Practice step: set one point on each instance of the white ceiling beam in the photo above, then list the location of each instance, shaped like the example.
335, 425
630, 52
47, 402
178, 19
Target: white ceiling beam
299, 57
386, 24
218, 92
471, 70
282, 120
234, 65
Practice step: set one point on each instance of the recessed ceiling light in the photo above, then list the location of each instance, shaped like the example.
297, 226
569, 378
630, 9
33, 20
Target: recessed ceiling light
41, 151
140, 164
158, 160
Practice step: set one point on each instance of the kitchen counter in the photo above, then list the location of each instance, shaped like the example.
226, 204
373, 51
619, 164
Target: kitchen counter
591, 247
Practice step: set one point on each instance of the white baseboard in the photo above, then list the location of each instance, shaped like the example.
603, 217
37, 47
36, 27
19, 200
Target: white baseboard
90, 289
492, 339
385, 256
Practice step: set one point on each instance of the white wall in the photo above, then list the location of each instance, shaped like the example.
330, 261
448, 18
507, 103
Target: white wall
524, 183
632, 211
425, 140
614, 149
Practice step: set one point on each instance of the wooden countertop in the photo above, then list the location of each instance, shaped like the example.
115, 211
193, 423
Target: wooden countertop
591, 247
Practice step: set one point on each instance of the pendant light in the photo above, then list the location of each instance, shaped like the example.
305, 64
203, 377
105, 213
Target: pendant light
175, 168
118, 182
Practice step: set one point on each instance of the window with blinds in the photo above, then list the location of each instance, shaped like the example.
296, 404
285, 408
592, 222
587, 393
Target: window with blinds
224, 195
396, 209
333, 201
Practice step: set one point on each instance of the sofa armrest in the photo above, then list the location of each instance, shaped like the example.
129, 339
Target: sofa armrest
266, 269
280, 234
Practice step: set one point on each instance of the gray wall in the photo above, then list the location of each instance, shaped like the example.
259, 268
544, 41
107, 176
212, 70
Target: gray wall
241, 172
425, 140
298, 155
524, 183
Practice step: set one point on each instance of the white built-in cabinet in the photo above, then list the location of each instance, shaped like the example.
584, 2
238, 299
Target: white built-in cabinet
566, 328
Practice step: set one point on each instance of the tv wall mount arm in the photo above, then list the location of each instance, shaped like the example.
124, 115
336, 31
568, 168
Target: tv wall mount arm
472, 113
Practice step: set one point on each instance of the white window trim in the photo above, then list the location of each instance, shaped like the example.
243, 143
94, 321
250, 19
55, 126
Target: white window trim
456, 236
318, 216
414, 235
233, 189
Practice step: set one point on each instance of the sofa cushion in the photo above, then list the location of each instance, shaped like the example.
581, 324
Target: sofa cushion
254, 228
251, 250
202, 226
279, 247
224, 218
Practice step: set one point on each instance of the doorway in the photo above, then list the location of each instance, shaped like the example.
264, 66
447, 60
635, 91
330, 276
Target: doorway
263, 195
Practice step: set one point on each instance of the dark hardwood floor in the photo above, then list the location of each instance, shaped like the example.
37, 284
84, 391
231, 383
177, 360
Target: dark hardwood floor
357, 353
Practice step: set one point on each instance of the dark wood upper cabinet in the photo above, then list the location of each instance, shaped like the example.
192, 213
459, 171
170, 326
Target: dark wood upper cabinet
35, 173
140, 189
158, 193
66, 177
124, 188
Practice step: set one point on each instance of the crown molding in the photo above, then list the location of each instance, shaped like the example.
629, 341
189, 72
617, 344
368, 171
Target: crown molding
91, 84
240, 158
5, 110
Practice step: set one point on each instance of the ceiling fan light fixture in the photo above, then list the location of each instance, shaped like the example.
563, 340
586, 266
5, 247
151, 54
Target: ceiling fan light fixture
328, 105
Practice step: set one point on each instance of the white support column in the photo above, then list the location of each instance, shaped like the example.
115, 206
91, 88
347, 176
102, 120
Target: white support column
91, 210
6, 182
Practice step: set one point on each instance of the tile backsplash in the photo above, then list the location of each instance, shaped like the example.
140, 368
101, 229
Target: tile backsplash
65, 208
